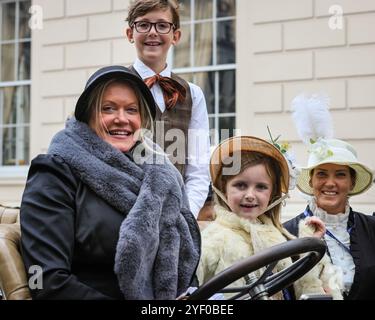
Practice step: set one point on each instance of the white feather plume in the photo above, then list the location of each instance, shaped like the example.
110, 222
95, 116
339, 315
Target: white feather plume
311, 117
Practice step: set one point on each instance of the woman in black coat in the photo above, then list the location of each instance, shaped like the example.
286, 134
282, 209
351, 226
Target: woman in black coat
104, 214
332, 176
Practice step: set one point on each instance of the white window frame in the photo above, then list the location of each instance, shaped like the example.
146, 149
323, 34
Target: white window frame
17, 171
211, 68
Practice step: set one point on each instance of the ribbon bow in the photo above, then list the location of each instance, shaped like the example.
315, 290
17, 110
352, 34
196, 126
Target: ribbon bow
173, 91
321, 149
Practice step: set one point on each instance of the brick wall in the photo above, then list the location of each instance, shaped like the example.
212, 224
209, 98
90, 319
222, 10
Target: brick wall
78, 37
287, 47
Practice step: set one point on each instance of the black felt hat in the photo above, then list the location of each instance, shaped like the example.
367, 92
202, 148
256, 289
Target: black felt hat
119, 72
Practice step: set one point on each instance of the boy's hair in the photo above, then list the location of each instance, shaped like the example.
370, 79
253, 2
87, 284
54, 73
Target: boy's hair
250, 159
139, 8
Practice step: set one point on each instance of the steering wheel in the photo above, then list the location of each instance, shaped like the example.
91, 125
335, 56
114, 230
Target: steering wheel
267, 284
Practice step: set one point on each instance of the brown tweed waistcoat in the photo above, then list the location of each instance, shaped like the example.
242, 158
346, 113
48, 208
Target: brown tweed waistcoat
172, 127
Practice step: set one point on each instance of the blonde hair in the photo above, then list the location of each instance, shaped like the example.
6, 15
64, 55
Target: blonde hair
273, 169
95, 102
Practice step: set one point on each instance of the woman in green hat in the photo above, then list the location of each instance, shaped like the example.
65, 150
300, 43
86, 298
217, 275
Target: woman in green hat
332, 176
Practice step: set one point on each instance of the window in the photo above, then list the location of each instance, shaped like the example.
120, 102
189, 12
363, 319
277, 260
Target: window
206, 56
15, 49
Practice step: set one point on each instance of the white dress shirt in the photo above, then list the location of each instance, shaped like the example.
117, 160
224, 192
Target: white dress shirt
337, 224
197, 177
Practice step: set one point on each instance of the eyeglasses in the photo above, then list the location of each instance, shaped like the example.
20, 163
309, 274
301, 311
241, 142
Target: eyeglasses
160, 27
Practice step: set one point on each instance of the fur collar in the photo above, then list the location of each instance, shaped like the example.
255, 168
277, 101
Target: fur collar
262, 232
159, 241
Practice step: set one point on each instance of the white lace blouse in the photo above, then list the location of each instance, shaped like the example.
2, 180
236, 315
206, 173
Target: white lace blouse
337, 225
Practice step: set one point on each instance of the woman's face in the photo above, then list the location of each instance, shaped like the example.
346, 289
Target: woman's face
120, 116
248, 193
331, 184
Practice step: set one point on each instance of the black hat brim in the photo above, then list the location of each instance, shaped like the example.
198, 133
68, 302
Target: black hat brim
107, 73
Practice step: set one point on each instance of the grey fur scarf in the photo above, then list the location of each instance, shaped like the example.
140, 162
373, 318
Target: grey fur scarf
159, 242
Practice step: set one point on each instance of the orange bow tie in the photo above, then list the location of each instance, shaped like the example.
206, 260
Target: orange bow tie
173, 92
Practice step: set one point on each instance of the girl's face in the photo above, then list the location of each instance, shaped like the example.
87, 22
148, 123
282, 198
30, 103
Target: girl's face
331, 184
249, 193
120, 117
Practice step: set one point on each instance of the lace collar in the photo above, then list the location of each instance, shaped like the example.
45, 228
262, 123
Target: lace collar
339, 218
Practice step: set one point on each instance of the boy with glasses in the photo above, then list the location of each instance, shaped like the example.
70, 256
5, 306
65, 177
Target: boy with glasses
182, 128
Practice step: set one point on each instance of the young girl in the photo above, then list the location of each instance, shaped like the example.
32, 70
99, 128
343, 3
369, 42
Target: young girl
249, 176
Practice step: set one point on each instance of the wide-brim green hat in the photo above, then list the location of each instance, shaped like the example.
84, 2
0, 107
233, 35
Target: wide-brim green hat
335, 151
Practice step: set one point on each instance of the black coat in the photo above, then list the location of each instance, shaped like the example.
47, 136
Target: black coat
362, 247
70, 232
